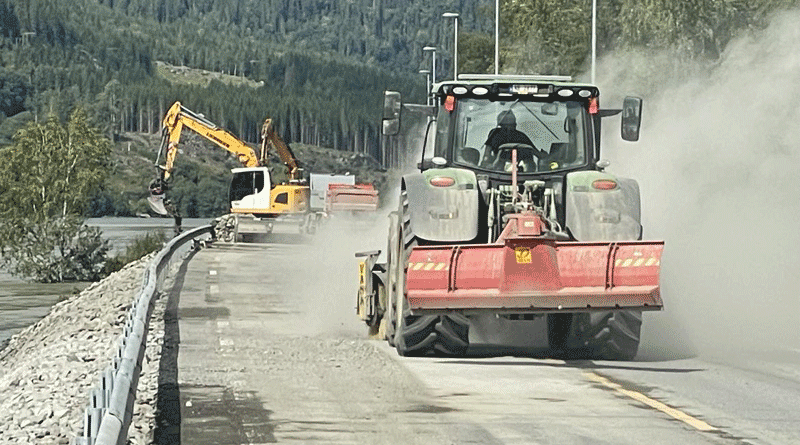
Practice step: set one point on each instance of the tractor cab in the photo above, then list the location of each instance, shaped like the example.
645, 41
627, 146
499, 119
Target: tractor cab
557, 120
512, 129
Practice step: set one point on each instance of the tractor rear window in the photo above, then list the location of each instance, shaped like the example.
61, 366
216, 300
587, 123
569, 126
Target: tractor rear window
552, 135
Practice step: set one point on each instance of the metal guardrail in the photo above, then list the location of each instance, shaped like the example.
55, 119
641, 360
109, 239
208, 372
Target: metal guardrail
107, 418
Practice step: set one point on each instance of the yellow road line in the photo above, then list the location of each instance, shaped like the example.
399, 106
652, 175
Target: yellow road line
655, 404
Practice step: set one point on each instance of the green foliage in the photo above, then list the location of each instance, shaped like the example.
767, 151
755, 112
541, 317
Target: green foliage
546, 36
54, 250
14, 91
48, 176
52, 170
553, 36
476, 53
139, 247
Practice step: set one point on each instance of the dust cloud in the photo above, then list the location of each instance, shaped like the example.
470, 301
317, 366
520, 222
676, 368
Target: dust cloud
328, 288
329, 285
718, 164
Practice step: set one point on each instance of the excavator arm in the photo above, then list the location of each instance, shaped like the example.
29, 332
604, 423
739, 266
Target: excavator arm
175, 120
179, 116
270, 139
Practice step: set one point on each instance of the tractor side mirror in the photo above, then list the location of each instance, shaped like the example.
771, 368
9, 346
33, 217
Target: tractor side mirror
392, 103
631, 118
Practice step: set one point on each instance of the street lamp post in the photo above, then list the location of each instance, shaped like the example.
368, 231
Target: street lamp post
427, 74
454, 16
432, 49
497, 37
594, 36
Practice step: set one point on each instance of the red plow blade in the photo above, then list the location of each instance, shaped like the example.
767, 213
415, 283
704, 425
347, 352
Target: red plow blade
535, 275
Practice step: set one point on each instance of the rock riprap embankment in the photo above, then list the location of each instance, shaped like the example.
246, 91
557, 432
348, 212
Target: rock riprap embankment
48, 369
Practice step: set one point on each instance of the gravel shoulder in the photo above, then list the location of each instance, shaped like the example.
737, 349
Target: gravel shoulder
48, 369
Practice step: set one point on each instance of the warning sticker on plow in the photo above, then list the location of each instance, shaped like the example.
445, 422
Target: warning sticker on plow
523, 255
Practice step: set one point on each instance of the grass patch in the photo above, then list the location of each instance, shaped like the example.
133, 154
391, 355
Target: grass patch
193, 76
136, 249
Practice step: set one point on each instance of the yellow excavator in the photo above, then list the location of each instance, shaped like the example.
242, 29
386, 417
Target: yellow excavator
252, 190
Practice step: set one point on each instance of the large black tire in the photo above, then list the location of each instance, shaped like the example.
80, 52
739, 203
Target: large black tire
418, 335
611, 335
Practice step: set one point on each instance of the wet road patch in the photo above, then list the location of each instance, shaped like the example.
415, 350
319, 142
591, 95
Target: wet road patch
215, 415
211, 312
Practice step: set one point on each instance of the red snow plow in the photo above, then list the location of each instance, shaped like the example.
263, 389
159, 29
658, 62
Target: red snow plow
525, 271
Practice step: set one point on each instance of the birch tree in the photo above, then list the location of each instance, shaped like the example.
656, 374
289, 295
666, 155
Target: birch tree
47, 178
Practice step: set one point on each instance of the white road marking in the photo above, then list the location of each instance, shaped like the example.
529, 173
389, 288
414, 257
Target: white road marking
668, 410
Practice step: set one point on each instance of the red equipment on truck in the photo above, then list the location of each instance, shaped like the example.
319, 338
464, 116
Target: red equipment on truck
334, 194
514, 217
352, 198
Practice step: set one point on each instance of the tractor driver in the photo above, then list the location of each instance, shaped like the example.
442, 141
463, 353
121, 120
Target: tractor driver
506, 132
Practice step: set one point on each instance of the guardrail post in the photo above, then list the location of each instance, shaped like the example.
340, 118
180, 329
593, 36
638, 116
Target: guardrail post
108, 417
97, 399
91, 424
107, 385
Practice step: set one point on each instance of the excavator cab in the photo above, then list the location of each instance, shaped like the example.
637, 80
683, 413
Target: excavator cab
250, 193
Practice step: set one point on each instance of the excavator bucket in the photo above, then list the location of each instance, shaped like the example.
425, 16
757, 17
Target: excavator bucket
535, 274
156, 199
157, 204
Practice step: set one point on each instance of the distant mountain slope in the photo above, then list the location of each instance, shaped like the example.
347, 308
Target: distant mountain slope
105, 55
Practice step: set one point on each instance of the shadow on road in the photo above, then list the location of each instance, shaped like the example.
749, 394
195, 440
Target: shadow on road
168, 405
582, 364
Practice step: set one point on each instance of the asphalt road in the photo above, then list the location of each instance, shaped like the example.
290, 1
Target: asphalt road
266, 348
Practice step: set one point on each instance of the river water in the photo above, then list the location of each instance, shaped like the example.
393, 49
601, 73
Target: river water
23, 303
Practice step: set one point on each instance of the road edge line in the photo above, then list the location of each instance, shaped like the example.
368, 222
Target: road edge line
655, 404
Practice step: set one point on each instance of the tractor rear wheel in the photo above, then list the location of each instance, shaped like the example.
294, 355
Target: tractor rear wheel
607, 335
422, 334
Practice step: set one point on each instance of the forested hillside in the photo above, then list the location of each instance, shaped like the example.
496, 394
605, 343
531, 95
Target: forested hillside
318, 67
60, 53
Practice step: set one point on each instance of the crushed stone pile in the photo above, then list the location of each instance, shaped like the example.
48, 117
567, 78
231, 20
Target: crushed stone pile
48, 369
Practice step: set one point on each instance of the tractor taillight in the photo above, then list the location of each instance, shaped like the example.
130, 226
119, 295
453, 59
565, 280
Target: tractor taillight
450, 103
442, 181
593, 105
604, 184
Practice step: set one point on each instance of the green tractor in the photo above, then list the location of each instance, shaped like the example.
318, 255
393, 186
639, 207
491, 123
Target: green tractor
512, 216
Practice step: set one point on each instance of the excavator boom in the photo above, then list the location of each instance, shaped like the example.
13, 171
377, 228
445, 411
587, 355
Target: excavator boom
270, 139
179, 116
176, 118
